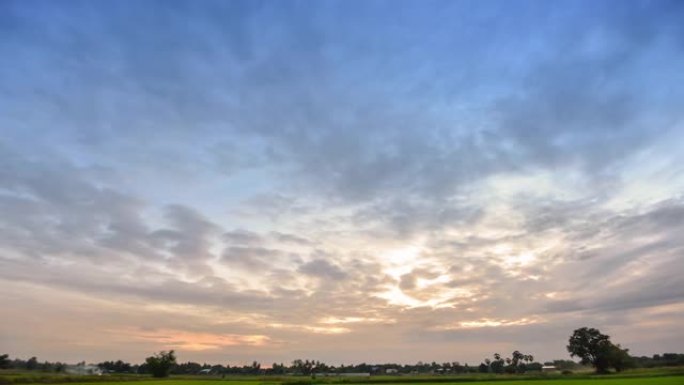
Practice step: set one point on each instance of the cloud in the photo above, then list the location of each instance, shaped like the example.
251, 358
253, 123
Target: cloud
290, 238
487, 323
321, 268
193, 341
189, 241
242, 237
250, 257
300, 185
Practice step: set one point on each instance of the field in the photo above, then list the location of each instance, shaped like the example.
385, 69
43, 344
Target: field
640, 380
672, 376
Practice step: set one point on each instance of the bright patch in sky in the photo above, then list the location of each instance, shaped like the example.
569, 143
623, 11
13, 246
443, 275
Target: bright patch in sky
183, 340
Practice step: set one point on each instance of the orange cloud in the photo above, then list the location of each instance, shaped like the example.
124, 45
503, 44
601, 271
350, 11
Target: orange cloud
487, 323
313, 329
185, 340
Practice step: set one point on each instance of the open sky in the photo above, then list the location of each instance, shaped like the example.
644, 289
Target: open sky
346, 181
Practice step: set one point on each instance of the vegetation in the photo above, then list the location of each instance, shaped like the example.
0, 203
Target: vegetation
660, 376
517, 363
116, 367
161, 363
590, 345
596, 349
659, 360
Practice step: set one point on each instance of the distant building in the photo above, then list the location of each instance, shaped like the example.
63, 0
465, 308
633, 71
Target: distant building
549, 369
391, 371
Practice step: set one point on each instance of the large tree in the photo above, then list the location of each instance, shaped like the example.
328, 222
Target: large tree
596, 349
161, 363
32, 363
4, 361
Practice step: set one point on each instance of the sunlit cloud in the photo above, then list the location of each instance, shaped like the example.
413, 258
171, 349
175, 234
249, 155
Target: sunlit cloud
353, 320
315, 329
401, 260
196, 341
442, 298
489, 323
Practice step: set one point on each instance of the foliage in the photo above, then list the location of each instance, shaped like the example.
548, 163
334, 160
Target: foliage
659, 360
596, 349
161, 363
32, 363
118, 366
619, 358
565, 364
517, 363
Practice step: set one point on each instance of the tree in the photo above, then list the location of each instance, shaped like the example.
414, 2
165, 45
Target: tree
497, 365
115, 366
32, 363
620, 358
517, 357
4, 361
595, 348
161, 363
60, 367
255, 368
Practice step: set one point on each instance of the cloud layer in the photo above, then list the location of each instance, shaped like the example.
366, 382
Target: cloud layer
239, 181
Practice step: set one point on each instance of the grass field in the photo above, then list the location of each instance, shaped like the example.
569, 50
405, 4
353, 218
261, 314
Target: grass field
662, 376
665, 380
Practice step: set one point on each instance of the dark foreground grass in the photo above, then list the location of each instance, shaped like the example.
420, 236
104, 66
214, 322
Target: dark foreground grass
35, 377
661, 376
662, 380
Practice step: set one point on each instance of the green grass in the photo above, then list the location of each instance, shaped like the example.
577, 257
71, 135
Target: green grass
664, 380
10, 377
660, 376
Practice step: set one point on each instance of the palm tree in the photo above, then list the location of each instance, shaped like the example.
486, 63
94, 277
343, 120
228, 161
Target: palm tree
516, 357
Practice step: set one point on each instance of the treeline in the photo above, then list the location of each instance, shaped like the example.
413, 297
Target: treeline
31, 364
659, 360
517, 363
296, 367
312, 367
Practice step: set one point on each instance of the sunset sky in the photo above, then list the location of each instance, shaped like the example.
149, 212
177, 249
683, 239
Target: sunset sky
346, 181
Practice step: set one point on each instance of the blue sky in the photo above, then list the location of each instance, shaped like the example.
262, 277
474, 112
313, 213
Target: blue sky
260, 180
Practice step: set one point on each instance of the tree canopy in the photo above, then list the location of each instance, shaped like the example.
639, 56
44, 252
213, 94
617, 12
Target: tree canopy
595, 348
161, 363
4, 361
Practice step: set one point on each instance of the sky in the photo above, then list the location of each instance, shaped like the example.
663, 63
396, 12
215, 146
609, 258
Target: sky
345, 181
